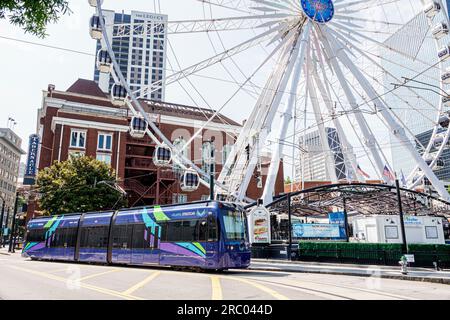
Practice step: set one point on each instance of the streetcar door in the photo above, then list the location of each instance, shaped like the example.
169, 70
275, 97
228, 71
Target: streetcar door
139, 245
153, 240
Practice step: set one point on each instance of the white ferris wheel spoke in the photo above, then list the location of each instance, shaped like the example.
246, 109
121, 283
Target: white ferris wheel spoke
396, 129
206, 63
369, 138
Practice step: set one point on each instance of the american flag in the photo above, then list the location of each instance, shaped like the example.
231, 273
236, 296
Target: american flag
363, 173
404, 183
388, 174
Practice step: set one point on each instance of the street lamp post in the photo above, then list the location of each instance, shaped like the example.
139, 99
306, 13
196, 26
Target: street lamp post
6, 226
12, 239
402, 222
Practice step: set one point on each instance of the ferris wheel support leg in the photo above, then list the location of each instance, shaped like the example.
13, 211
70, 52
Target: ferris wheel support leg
396, 129
286, 117
369, 139
270, 104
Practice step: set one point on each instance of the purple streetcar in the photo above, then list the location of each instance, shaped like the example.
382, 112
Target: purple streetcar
202, 235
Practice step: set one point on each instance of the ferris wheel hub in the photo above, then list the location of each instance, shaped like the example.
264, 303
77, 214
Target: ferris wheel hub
321, 11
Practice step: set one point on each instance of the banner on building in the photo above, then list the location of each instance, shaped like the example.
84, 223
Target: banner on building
260, 226
30, 171
317, 230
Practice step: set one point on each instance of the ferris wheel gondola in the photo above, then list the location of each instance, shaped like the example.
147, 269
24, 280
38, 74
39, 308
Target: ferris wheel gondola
138, 127
104, 61
190, 181
162, 155
93, 3
95, 28
118, 95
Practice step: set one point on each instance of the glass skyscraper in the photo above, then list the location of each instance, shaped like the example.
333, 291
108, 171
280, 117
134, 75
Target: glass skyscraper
139, 45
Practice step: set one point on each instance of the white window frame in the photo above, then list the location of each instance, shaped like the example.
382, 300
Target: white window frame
72, 131
105, 135
100, 154
76, 153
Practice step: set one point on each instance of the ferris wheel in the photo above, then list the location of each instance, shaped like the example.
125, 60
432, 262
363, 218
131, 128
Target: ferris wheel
324, 54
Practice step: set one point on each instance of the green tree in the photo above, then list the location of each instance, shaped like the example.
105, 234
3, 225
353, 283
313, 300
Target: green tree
81, 184
287, 180
33, 15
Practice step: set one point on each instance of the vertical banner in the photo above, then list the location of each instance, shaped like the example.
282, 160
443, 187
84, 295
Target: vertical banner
260, 226
30, 172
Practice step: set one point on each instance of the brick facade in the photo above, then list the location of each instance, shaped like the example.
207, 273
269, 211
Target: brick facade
131, 158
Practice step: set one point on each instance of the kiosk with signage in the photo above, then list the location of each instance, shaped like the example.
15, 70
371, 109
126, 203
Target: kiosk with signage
259, 225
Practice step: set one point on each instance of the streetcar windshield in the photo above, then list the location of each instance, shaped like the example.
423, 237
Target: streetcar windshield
234, 223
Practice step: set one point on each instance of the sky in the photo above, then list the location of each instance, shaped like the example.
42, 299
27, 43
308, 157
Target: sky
28, 69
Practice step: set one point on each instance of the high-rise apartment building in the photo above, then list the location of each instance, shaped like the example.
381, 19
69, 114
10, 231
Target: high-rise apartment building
314, 158
139, 42
10, 153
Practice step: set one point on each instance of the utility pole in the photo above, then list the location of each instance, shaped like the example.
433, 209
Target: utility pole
12, 239
347, 238
289, 251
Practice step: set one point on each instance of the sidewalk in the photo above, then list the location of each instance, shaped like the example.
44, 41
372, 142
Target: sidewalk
388, 272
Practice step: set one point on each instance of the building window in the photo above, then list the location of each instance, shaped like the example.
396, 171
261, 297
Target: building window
226, 150
78, 139
179, 198
73, 154
104, 157
205, 197
104, 142
178, 145
209, 158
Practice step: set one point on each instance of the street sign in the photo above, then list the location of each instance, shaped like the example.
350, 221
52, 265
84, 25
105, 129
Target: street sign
260, 226
5, 232
410, 258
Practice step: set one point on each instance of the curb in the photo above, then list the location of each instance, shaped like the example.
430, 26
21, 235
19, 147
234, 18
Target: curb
395, 277
358, 266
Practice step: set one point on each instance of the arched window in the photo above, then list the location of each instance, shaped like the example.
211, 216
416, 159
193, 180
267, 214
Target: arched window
226, 150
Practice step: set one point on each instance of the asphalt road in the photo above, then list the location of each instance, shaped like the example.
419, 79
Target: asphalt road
26, 279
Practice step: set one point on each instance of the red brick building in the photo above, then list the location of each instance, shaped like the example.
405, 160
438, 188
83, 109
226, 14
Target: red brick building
82, 120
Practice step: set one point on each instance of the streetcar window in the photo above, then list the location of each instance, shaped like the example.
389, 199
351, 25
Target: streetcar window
36, 235
189, 231
121, 236
185, 231
234, 223
94, 237
64, 237
212, 229
140, 237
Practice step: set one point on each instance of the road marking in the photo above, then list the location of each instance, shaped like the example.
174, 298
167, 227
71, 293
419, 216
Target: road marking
84, 285
142, 283
272, 292
99, 274
216, 288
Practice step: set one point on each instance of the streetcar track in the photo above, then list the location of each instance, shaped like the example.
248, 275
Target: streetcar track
351, 288
302, 288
